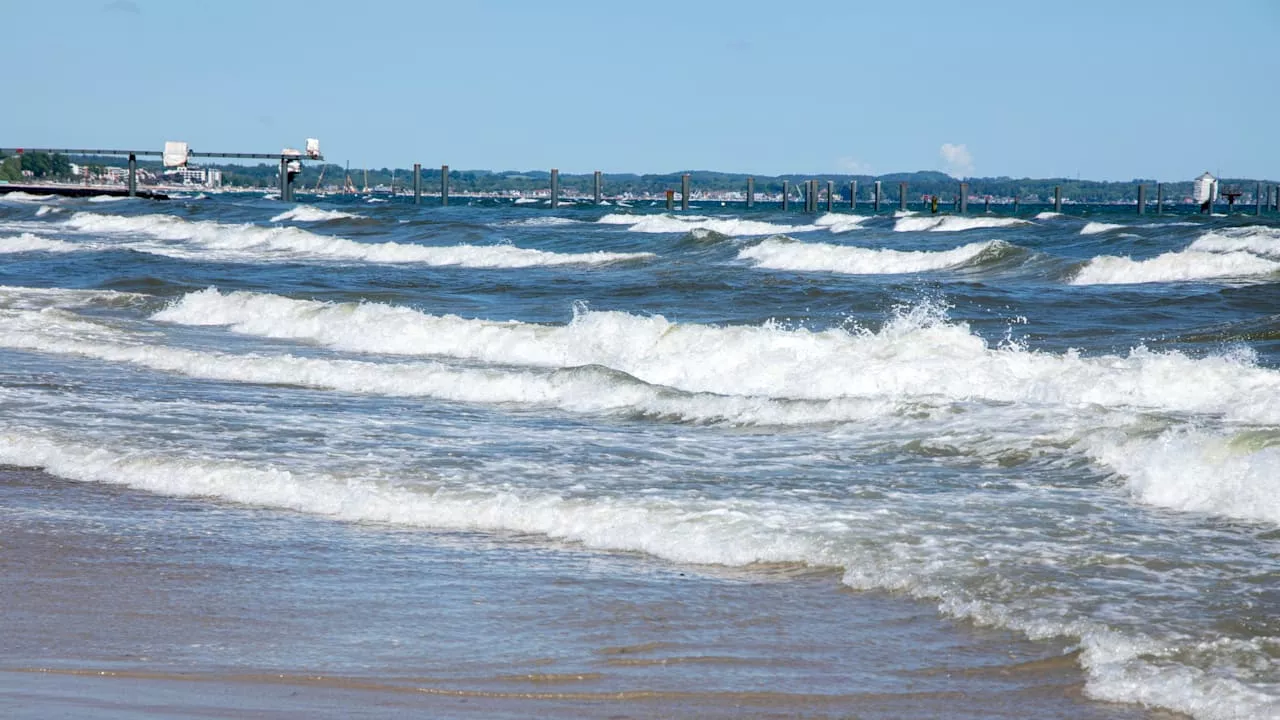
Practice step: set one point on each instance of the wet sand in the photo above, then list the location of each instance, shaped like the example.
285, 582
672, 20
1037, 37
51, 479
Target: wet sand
121, 604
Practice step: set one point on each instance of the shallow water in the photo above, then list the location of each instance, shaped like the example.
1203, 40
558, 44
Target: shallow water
1058, 432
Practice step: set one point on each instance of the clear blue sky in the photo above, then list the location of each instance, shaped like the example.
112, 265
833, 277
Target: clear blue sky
1114, 90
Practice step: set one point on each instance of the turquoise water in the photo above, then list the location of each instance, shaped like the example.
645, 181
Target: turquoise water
1063, 428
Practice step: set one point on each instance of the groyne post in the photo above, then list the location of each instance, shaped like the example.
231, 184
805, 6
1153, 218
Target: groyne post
876, 201
671, 199
133, 175
1159, 198
831, 192
417, 183
751, 192
1057, 198
804, 194
964, 198
1142, 199
597, 187
1017, 204
444, 184
284, 180
902, 196
987, 207
853, 194
684, 191
1257, 199
555, 188
786, 190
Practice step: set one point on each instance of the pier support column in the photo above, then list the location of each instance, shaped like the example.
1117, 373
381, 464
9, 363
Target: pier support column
133, 175
598, 185
986, 208
853, 194
284, 180
831, 194
671, 202
444, 184
964, 198
876, 200
786, 190
1017, 204
417, 183
1142, 199
1159, 198
555, 188
751, 192
1257, 199
1057, 198
902, 196
684, 191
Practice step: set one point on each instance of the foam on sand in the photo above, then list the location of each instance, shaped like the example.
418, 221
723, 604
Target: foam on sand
255, 243
1182, 266
951, 223
787, 254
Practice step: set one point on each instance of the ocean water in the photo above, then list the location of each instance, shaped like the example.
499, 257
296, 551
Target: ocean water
1052, 439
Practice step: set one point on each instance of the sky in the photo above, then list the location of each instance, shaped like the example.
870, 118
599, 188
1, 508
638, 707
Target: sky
1116, 90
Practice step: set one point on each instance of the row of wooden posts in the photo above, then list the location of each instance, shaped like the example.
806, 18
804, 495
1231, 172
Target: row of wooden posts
812, 196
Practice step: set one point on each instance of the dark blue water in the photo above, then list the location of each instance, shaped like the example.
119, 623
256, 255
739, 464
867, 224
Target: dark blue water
1064, 426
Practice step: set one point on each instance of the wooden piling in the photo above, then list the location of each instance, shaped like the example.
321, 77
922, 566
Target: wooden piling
786, 189
417, 183
1257, 199
684, 191
1159, 198
133, 175
876, 201
964, 198
597, 187
831, 192
986, 208
555, 188
902, 196
444, 184
1057, 198
1142, 199
284, 180
751, 192
853, 194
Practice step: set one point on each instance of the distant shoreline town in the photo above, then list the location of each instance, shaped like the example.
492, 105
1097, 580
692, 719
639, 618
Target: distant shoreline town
330, 179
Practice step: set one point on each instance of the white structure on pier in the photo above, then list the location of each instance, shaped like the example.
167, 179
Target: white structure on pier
1204, 189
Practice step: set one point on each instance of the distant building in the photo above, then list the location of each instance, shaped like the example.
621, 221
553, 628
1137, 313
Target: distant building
204, 177
1204, 189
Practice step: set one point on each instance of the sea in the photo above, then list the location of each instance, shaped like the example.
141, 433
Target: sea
357, 457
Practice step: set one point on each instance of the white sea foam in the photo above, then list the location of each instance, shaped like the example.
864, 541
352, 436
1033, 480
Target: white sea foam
26, 242
307, 213
1261, 240
108, 198
525, 201
952, 223
23, 197
542, 221
1120, 666
839, 223
1230, 474
733, 227
47, 209
256, 243
786, 254
917, 354
1048, 215
1186, 265
1096, 228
